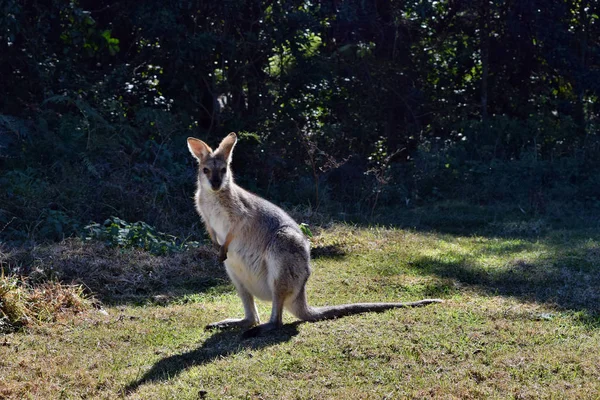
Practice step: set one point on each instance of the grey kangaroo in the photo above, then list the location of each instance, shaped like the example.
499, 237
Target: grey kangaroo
266, 254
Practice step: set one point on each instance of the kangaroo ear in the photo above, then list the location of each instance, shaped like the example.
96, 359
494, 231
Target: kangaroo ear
226, 146
198, 148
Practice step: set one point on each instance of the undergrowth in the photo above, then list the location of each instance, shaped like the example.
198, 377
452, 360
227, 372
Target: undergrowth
23, 304
117, 232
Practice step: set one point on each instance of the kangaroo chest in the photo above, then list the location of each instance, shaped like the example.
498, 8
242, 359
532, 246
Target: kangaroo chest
220, 227
216, 219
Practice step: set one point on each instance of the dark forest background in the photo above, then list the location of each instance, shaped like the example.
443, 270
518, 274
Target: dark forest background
350, 108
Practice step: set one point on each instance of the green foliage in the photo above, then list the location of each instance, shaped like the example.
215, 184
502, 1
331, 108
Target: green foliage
306, 230
116, 232
424, 96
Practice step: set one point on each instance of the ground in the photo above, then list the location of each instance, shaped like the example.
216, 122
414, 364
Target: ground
520, 320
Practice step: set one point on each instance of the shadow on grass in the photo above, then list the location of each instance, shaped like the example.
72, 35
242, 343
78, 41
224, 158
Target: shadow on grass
329, 251
221, 344
567, 275
557, 282
501, 221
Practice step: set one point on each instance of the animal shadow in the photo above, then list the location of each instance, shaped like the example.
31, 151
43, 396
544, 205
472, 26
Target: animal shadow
221, 344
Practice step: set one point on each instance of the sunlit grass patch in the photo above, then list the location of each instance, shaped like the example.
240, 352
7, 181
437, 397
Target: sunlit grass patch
520, 319
560, 268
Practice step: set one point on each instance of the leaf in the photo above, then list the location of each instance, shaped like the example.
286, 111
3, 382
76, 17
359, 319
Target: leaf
306, 230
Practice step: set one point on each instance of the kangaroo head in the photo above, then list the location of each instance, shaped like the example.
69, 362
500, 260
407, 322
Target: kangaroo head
214, 172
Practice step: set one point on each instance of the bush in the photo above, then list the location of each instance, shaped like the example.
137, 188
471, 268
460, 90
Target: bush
116, 232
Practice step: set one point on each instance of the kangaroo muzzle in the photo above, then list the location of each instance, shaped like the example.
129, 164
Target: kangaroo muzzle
215, 184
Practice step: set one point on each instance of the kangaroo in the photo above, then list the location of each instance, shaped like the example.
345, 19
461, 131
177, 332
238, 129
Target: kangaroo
266, 255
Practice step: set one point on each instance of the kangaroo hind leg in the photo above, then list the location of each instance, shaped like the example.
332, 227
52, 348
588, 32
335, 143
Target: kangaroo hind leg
280, 293
287, 271
251, 317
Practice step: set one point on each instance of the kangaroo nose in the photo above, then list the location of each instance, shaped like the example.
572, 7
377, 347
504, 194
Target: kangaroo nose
215, 184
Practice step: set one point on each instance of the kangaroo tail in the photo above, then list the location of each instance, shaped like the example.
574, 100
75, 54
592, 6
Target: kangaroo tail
302, 310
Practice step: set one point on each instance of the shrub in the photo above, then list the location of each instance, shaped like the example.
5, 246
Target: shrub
116, 232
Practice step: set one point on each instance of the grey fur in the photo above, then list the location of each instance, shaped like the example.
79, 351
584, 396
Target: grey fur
266, 255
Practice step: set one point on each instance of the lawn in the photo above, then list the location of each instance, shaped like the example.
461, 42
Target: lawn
520, 320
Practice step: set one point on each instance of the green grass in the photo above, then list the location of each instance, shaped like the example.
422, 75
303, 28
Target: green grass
521, 320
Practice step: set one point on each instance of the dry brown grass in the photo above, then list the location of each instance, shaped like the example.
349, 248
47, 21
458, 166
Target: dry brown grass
40, 283
22, 304
115, 275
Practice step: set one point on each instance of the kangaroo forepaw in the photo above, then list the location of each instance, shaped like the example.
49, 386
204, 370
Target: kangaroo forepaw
222, 254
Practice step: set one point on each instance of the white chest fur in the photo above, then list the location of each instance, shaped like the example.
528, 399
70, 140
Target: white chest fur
214, 216
219, 225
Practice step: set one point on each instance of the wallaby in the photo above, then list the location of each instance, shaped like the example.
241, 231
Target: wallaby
266, 254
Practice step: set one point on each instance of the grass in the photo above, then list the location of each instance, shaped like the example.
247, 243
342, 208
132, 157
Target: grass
23, 305
521, 320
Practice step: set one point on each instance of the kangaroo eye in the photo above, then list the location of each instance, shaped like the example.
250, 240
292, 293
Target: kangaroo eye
223, 170
206, 171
